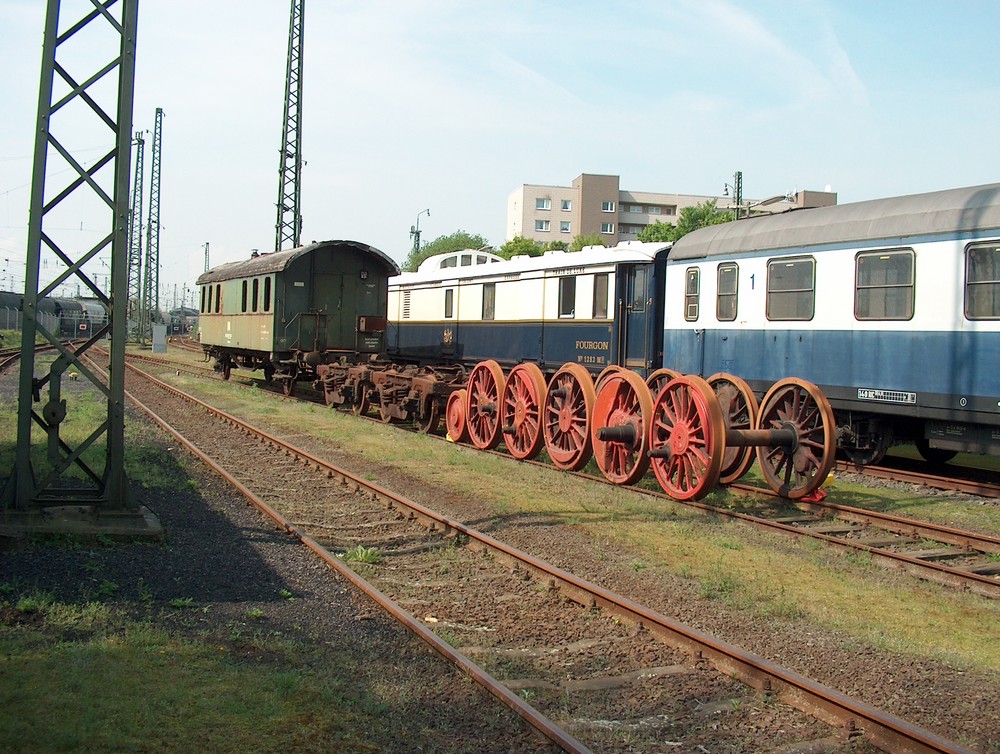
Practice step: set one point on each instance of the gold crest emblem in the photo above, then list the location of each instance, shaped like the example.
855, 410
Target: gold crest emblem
447, 337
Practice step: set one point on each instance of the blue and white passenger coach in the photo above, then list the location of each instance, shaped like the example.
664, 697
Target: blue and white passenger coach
892, 307
595, 307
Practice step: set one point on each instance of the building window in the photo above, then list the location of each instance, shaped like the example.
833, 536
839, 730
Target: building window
607, 227
566, 205
654, 210
607, 206
670, 211
267, 294
243, 303
449, 303
883, 287
635, 209
791, 289
725, 302
543, 204
256, 293
982, 281
567, 296
489, 300
691, 292
542, 226
601, 295
564, 226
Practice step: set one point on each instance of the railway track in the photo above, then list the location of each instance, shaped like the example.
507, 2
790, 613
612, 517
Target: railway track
374, 515
960, 559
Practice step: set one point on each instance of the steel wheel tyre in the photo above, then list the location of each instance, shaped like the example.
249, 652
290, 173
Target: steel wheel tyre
454, 416
521, 411
362, 400
486, 384
605, 373
227, 369
624, 407
431, 419
688, 420
799, 405
739, 408
566, 417
659, 379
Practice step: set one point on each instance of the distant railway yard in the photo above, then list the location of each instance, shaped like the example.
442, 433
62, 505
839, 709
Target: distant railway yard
594, 617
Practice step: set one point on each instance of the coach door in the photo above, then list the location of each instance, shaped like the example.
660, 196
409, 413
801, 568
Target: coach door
633, 317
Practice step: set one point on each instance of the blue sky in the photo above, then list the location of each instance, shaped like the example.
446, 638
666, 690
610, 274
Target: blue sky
452, 104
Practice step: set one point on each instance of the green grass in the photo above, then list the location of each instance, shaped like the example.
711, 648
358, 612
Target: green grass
119, 685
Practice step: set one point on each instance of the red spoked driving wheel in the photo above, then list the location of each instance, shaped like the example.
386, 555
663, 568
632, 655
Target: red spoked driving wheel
566, 417
621, 426
687, 438
521, 411
486, 384
800, 406
739, 408
454, 416
658, 380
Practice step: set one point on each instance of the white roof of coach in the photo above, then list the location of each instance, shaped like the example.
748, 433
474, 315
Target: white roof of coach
901, 217
589, 256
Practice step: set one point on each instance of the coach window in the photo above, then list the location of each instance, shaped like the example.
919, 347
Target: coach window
791, 289
256, 294
692, 282
203, 299
218, 298
601, 295
243, 304
883, 287
982, 281
725, 302
638, 290
267, 294
489, 300
449, 303
567, 296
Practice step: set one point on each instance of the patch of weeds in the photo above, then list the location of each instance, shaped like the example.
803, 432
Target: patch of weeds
736, 704
106, 589
685, 570
255, 613
448, 637
31, 604
527, 695
182, 603
145, 594
286, 595
718, 584
730, 544
783, 606
638, 565
863, 558
362, 554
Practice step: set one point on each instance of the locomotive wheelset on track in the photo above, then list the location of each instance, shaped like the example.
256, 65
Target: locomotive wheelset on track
886, 312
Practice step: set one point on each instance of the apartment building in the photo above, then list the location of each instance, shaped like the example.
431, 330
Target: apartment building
597, 204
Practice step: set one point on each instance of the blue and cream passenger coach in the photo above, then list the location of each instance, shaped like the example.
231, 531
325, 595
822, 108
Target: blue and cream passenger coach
289, 311
595, 307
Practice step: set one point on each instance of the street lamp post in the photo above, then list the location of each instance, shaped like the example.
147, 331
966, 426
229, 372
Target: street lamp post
415, 232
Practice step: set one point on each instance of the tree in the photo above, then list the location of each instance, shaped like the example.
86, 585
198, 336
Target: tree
442, 245
699, 216
594, 239
520, 245
553, 245
658, 232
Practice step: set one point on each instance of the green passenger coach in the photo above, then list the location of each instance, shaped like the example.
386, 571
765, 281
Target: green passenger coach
287, 312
